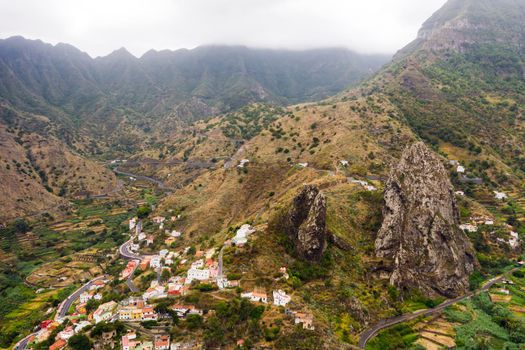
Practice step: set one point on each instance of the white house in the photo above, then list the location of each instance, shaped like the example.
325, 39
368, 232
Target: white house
155, 262
163, 253
468, 227
242, 163
154, 293
460, 169
514, 240
67, 333
460, 193
141, 236
303, 165
280, 298
134, 247
104, 311
175, 233
199, 264
256, 296
197, 274
85, 297
132, 223
344, 163
500, 195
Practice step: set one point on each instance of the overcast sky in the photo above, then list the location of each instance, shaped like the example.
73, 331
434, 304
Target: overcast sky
101, 26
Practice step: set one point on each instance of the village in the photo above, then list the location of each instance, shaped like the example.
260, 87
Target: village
199, 269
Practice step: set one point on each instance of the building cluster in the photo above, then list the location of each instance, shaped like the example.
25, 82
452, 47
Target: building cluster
363, 184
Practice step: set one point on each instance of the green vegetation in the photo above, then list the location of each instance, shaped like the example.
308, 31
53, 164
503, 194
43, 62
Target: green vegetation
235, 318
249, 121
397, 337
486, 325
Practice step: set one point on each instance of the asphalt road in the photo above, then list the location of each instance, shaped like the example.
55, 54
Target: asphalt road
66, 304
62, 310
159, 183
126, 253
372, 331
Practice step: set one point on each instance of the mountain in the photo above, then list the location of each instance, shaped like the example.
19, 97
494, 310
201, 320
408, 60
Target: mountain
102, 106
192, 84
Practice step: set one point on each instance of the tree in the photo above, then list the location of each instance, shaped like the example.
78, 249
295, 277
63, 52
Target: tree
21, 226
79, 342
143, 211
165, 275
193, 321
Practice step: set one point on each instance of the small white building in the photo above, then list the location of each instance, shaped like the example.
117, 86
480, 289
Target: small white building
256, 296
175, 234
163, 253
67, 333
303, 165
500, 195
197, 274
514, 240
468, 227
460, 193
199, 264
154, 293
460, 169
155, 262
344, 163
85, 297
132, 223
280, 298
242, 163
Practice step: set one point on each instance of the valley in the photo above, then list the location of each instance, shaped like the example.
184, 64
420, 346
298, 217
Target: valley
233, 198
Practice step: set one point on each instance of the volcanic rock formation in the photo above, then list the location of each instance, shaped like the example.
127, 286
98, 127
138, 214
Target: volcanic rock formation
420, 235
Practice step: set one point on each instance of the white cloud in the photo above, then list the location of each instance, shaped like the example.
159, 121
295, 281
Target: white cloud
100, 26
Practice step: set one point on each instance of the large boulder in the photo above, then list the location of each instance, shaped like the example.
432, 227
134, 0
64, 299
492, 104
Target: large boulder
420, 236
306, 223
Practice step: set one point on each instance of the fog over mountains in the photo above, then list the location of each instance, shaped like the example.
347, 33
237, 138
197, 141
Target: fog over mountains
187, 83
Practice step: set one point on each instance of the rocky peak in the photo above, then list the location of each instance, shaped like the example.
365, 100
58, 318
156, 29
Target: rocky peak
462, 23
306, 223
420, 235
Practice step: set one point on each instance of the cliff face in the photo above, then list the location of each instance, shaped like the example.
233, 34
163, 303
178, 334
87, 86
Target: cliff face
420, 233
306, 223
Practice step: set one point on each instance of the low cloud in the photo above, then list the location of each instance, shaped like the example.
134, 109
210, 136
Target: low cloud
101, 26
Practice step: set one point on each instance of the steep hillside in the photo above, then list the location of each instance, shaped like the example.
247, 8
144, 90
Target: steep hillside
68, 86
39, 171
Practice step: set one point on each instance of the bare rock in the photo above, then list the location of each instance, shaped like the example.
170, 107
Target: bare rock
420, 234
306, 223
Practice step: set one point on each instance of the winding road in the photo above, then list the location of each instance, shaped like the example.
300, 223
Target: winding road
125, 252
372, 331
62, 310
161, 185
